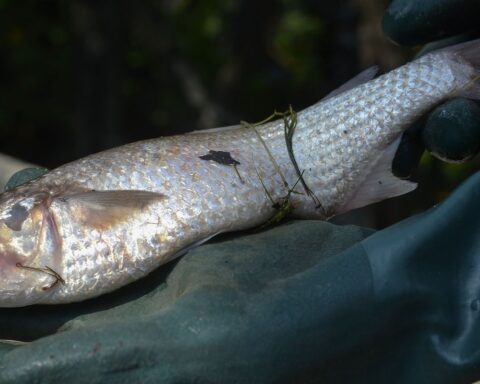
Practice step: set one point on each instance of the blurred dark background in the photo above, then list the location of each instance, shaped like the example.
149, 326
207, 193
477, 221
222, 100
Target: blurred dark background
77, 77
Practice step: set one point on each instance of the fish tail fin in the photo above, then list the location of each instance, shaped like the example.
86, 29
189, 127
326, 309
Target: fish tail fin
466, 66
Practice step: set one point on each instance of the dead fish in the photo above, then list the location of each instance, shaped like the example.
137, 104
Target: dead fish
98, 223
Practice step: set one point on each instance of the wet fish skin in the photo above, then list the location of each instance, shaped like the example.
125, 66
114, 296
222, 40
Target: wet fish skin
112, 217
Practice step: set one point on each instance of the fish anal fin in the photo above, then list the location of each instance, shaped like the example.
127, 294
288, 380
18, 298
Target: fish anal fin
188, 248
364, 76
380, 183
103, 209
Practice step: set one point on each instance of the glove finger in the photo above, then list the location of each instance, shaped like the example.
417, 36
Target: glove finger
452, 131
409, 151
412, 22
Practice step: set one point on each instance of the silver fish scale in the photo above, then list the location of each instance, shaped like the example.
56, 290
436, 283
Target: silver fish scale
337, 143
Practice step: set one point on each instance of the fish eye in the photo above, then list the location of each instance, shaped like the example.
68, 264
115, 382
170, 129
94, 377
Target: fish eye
17, 215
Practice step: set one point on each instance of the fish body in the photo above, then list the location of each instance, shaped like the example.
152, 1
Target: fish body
98, 223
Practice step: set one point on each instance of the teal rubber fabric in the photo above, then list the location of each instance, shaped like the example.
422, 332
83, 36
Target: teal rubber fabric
426, 274
305, 302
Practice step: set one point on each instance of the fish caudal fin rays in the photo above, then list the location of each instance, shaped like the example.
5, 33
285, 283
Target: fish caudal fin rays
380, 183
102, 209
469, 53
364, 76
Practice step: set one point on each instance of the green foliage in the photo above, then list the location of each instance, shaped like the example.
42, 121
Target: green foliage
294, 41
35, 71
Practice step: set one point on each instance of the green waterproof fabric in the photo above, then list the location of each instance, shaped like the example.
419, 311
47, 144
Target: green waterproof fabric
305, 302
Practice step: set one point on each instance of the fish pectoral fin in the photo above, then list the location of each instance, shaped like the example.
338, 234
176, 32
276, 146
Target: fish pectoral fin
380, 183
364, 76
106, 208
116, 198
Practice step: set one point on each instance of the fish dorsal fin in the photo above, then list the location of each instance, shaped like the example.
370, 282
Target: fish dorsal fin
105, 208
380, 183
15, 343
215, 130
364, 76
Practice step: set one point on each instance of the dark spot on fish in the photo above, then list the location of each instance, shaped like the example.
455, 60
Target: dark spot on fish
380, 182
18, 214
221, 157
345, 132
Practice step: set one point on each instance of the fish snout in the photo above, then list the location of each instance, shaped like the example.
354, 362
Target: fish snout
19, 285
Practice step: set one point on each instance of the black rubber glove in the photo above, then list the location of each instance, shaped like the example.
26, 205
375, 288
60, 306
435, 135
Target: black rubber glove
452, 130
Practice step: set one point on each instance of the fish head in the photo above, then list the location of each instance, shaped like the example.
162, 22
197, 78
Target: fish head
27, 249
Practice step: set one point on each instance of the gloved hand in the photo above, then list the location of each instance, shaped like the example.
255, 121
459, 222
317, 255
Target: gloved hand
451, 131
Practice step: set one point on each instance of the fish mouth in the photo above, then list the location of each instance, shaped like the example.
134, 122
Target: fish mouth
20, 286
8, 260
12, 282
